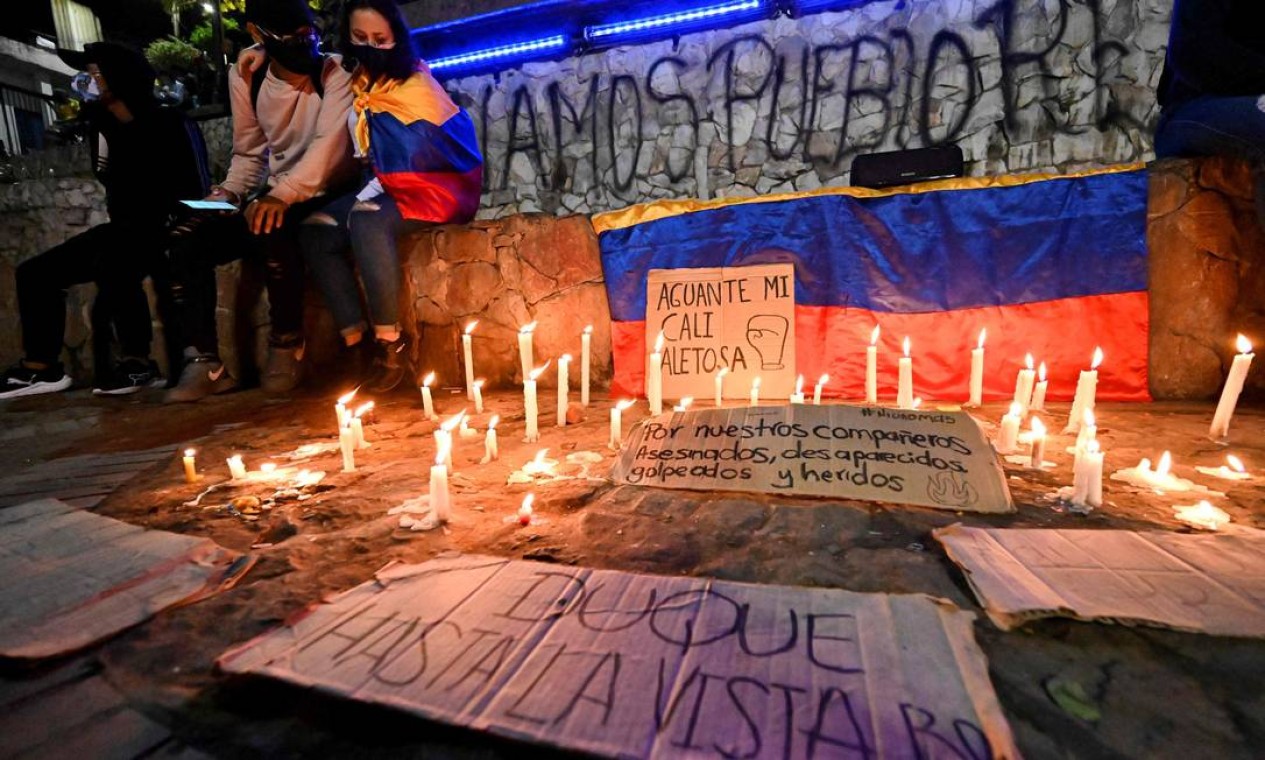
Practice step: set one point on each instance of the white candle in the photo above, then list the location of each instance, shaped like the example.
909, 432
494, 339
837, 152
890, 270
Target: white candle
821, 383
347, 444
798, 396
525, 348
1038, 444
478, 396
358, 427
1008, 434
720, 385
905, 380
684, 404
871, 368
1038, 393
467, 351
443, 437
976, 386
1023, 384
1233, 387
654, 377
1088, 431
525, 511
1086, 389
564, 388
236, 470
755, 392
1235, 470
190, 471
491, 450
340, 409
617, 423
529, 404
586, 359
1202, 515
440, 506
428, 403
1087, 477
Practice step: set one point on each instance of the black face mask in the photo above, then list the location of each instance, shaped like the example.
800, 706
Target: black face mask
298, 54
375, 60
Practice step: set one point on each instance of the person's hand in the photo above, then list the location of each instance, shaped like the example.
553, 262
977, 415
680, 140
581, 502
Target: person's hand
249, 60
265, 214
224, 196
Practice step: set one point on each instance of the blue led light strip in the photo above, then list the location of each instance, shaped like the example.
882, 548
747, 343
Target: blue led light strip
671, 19
504, 51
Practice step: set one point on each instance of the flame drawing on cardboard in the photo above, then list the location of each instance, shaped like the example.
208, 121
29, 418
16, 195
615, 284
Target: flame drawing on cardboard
931, 459
626, 665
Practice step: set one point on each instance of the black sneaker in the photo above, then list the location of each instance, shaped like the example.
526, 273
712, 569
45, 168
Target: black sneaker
390, 364
21, 380
130, 376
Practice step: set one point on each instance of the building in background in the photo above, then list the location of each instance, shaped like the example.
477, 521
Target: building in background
30, 71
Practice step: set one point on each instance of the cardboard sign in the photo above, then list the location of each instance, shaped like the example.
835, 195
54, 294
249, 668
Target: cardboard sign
627, 665
931, 459
1201, 583
742, 318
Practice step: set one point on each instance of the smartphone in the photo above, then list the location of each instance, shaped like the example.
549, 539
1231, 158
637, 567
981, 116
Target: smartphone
210, 205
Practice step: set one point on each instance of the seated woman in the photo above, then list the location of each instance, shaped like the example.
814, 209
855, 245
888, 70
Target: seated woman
423, 167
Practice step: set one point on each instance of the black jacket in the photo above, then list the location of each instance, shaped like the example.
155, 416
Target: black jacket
1215, 47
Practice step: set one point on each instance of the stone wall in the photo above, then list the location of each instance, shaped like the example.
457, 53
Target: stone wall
785, 104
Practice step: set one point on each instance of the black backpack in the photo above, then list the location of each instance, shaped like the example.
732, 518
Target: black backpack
317, 75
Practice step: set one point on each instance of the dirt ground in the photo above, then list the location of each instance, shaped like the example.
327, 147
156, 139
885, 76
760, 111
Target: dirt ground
1150, 693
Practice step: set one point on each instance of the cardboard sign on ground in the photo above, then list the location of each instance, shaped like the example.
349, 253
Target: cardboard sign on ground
1202, 583
742, 318
69, 578
630, 665
930, 459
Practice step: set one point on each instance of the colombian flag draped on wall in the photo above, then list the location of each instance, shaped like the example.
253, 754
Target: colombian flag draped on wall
1052, 265
424, 148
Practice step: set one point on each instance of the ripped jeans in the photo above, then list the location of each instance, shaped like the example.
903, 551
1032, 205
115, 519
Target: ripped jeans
370, 229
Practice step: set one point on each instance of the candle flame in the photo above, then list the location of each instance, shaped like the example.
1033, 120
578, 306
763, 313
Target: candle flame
1027, 361
190, 452
527, 500
588, 330
983, 333
1235, 463
347, 397
470, 327
799, 384
622, 405
917, 402
1089, 418
426, 381
1038, 428
540, 456
527, 328
492, 422
1097, 358
823, 379
363, 408
658, 342
1041, 372
1243, 344
756, 382
564, 359
722, 372
1015, 409
1166, 464
478, 384
1092, 447
874, 336
536, 373
906, 345
685, 403
451, 424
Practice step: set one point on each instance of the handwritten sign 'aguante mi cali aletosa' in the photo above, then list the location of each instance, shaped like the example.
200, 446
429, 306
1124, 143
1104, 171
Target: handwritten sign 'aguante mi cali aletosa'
742, 318
931, 459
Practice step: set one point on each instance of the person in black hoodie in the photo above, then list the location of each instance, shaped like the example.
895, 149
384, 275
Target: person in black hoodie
1212, 91
148, 158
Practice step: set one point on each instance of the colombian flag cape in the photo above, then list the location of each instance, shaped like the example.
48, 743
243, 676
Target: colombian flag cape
1052, 265
423, 147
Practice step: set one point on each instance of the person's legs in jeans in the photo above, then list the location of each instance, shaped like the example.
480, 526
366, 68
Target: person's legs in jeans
1218, 126
325, 241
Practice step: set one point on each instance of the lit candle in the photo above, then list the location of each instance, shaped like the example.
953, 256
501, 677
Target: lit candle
1086, 388
1233, 386
236, 470
1038, 393
347, 443
190, 472
1038, 443
755, 392
798, 396
428, 403
525, 348
491, 451
617, 423
439, 502
524, 512
684, 404
1087, 477
358, 427
478, 396
1235, 470
1008, 434
976, 387
529, 404
871, 368
821, 383
654, 377
268, 468
1023, 384
720, 385
340, 409
443, 438
467, 352
905, 380
1088, 431
564, 388
1202, 515
586, 358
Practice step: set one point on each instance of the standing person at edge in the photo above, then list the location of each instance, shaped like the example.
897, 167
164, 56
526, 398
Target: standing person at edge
148, 158
290, 148
423, 166
1212, 91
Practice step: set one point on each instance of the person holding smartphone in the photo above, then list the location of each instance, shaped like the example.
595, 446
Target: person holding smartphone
148, 158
